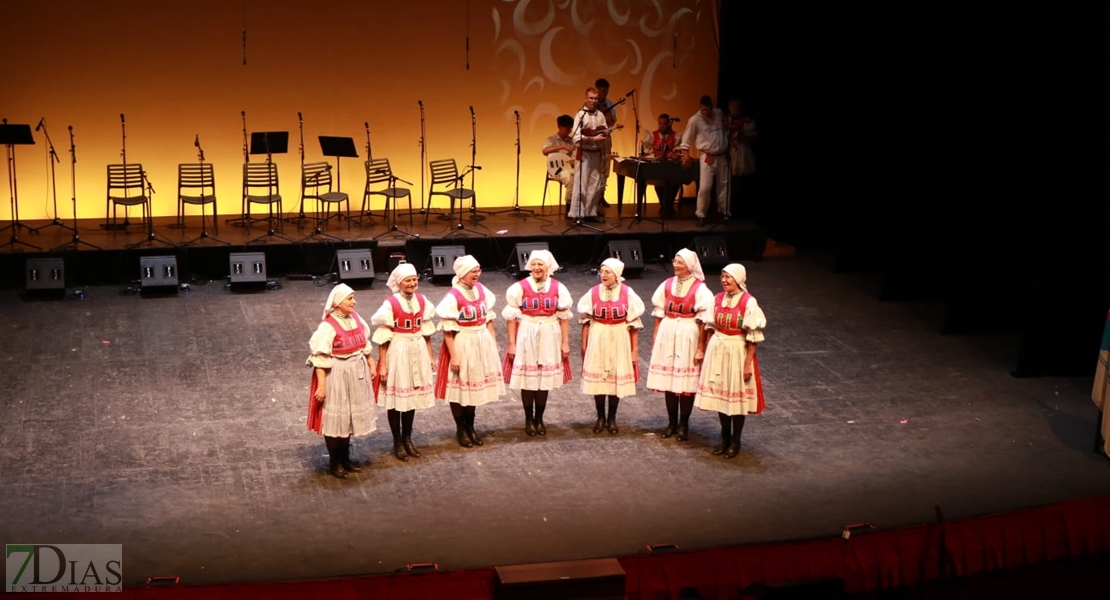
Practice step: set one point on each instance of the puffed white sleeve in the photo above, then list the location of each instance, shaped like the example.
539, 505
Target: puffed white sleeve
703, 303
448, 312
369, 347
319, 346
635, 309
564, 303
754, 321
586, 307
427, 319
383, 318
709, 316
491, 301
513, 297
658, 299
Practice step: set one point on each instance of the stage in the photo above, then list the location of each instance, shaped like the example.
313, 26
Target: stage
295, 248
174, 424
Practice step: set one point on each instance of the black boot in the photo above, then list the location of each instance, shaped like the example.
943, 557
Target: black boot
672, 415
394, 418
335, 457
726, 434
347, 463
541, 405
687, 405
737, 428
460, 432
528, 401
470, 433
611, 422
599, 402
406, 433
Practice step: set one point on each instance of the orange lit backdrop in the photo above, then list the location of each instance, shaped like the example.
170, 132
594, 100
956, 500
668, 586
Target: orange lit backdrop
176, 71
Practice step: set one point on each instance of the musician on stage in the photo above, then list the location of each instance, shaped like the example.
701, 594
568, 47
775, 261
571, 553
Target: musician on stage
708, 132
741, 134
662, 144
590, 135
608, 108
561, 144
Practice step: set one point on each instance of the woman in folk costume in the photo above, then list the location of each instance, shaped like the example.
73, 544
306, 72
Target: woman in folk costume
537, 312
610, 315
675, 353
730, 382
340, 402
469, 373
404, 356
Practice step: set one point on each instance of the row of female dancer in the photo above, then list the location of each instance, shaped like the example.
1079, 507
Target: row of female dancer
703, 353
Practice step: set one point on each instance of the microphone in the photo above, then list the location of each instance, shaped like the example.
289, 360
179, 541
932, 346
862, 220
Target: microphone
366, 124
39, 126
242, 113
196, 141
630, 93
675, 119
472, 111
477, 167
121, 120
517, 113
299, 117
421, 103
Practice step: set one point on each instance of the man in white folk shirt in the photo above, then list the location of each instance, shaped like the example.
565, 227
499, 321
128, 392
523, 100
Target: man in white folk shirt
590, 135
708, 132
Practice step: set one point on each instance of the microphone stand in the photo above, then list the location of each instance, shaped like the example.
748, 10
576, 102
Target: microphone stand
580, 182
474, 218
300, 218
516, 210
242, 220
53, 183
203, 222
151, 237
393, 179
365, 212
76, 242
123, 155
423, 162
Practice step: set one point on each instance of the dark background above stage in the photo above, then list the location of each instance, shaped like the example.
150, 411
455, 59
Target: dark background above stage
949, 148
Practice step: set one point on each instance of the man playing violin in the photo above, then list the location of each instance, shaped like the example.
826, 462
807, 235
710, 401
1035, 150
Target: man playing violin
590, 135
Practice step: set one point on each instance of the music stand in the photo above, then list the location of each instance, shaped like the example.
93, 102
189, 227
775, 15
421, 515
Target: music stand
12, 136
337, 147
268, 143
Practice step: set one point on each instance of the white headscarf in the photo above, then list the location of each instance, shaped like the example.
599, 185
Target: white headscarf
462, 266
402, 271
616, 266
691, 259
738, 274
338, 294
547, 258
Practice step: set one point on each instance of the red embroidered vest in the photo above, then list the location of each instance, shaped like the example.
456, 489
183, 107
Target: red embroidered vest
472, 313
613, 312
538, 304
346, 342
661, 145
404, 322
729, 321
681, 308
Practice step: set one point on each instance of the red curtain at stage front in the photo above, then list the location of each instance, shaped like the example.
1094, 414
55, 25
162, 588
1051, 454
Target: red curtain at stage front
865, 562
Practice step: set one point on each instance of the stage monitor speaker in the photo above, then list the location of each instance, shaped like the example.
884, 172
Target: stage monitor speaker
247, 267
521, 253
356, 264
157, 271
46, 273
629, 253
596, 579
443, 259
712, 250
